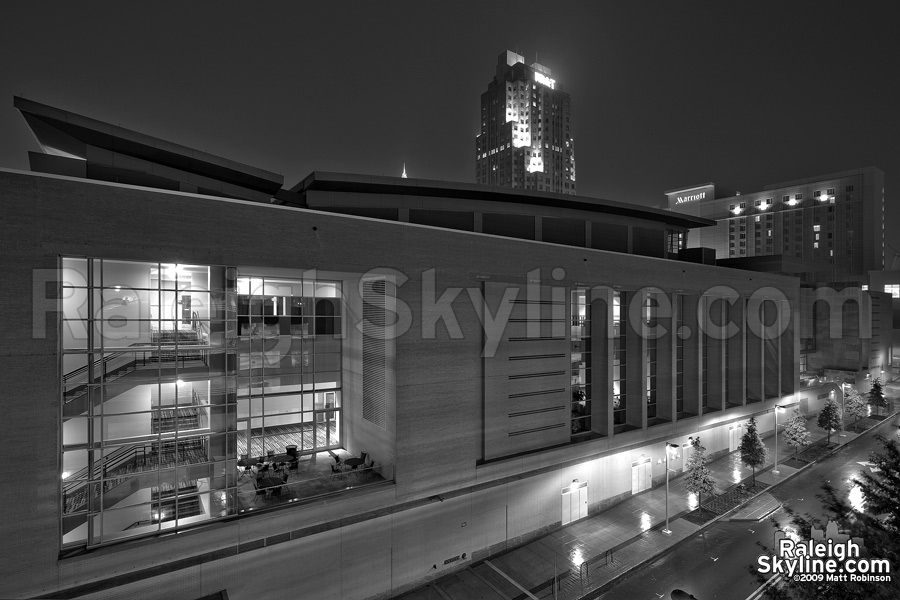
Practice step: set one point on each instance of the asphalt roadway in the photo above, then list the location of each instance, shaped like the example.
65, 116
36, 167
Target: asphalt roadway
713, 563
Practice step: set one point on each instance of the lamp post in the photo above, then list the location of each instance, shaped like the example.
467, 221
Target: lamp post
775, 468
669, 449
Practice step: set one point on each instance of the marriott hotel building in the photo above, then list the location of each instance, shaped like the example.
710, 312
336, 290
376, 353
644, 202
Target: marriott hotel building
823, 229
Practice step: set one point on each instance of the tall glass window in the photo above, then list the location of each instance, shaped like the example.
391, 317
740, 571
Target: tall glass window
147, 398
581, 362
289, 365
679, 355
650, 314
619, 378
704, 371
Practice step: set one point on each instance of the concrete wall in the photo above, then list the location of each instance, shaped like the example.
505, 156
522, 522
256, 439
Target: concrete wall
368, 541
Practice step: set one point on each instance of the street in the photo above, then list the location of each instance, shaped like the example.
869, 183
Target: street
713, 563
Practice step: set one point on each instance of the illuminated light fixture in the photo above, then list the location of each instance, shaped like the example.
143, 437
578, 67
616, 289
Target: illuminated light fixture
764, 206
65, 474
576, 485
736, 210
792, 202
179, 382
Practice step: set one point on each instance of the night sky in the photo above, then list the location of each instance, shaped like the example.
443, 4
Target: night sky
664, 94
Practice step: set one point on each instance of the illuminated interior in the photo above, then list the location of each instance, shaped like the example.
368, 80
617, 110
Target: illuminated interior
171, 373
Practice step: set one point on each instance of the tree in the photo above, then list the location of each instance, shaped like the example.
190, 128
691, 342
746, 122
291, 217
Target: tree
876, 524
795, 432
855, 405
753, 452
876, 395
881, 487
829, 418
697, 478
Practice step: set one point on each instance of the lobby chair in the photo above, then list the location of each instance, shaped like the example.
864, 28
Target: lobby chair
336, 472
259, 492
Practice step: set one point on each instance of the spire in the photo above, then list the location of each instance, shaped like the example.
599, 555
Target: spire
404, 172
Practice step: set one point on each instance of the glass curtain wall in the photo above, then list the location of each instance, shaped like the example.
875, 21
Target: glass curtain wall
581, 362
289, 365
619, 349
148, 403
650, 314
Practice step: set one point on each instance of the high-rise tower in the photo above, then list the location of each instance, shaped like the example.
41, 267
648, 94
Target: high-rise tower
525, 140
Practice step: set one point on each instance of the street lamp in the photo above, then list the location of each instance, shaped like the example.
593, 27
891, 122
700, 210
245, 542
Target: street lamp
777, 408
670, 447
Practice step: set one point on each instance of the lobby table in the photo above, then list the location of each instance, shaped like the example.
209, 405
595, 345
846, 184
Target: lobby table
354, 463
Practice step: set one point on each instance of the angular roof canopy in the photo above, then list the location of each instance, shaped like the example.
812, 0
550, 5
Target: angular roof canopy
111, 153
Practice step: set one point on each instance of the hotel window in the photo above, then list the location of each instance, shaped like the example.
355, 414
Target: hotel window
893, 289
757, 202
830, 191
756, 218
798, 197
816, 227
785, 198
817, 193
581, 362
849, 188
743, 205
731, 207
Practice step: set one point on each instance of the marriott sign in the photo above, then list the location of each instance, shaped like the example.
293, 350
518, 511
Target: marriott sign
697, 193
691, 198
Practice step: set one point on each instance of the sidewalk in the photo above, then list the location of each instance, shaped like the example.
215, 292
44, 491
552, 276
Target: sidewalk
590, 554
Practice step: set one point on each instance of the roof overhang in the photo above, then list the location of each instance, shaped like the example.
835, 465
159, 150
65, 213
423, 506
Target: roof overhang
366, 184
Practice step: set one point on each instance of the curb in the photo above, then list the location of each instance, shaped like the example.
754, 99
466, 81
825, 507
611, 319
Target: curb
609, 584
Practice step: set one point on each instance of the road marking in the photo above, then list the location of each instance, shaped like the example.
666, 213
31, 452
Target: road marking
870, 465
488, 583
511, 580
440, 592
773, 580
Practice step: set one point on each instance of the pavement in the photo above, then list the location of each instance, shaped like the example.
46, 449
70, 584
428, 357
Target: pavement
589, 555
